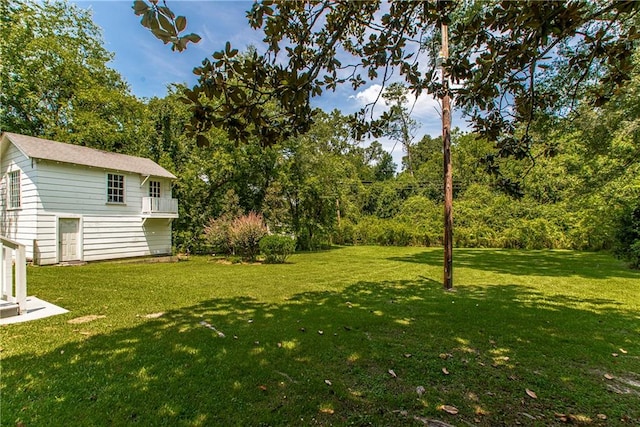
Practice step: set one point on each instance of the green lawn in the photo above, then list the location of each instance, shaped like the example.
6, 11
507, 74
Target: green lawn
342, 337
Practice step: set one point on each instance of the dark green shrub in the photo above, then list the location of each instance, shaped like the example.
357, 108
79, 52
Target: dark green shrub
276, 248
344, 234
628, 237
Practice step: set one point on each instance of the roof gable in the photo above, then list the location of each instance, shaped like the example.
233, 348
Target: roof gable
45, 149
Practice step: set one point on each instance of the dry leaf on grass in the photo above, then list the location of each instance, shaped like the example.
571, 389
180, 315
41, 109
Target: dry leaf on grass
532, 394
420, 390
608, 376
452, 410
480, 411
327, 382
392, 373
622, 350
445, 371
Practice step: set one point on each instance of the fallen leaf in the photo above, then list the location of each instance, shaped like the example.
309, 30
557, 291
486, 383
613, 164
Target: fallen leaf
420, 390
445, 371
622, 350
602, 416
614, 354
452, 410
531, 394
445, 356
279, 345
480, 411
327, 382
392, 373
407, 355
561, 417
263, 387
320, 332
327, 411
608, 376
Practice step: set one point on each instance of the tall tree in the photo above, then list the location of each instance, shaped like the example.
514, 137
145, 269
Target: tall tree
318, 171
55, 78
401, 127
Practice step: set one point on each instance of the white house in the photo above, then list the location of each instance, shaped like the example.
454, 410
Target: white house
70, 203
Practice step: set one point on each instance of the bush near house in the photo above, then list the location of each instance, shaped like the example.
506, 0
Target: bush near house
238, 236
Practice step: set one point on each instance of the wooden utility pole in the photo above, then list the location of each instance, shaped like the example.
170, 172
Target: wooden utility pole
448, 175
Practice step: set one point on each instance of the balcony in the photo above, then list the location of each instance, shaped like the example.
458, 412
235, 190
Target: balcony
159, 207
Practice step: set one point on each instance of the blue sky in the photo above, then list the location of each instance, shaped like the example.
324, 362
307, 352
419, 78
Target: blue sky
149, 66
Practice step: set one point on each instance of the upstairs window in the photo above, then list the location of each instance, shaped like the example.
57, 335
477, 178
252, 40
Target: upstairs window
14, 190
115, 188
154, 189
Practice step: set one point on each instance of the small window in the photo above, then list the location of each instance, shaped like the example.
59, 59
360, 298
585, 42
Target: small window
115, 188
154, 189
14, 190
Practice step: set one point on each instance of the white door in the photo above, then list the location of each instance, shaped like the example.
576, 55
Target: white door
69, 230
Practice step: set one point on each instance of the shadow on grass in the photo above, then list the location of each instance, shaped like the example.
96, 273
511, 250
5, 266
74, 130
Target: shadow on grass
530, 263
352, 357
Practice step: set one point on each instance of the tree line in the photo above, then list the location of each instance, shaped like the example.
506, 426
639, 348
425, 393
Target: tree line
580, 181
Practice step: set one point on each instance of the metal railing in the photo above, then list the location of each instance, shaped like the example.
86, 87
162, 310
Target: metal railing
13, 281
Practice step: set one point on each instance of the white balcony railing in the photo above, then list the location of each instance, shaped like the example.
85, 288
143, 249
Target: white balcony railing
159, 207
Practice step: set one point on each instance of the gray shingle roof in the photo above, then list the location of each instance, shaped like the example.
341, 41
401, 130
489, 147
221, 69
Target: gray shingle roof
38, 148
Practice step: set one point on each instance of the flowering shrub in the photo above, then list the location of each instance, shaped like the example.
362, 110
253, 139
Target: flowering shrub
245, 233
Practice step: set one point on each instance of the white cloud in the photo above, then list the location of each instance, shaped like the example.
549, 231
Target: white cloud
369, 95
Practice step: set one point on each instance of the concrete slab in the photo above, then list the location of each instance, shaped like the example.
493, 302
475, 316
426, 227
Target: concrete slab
36, 309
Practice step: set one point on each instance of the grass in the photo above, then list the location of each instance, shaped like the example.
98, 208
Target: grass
342, 337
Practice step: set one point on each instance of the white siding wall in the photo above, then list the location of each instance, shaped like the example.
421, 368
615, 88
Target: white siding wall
19, 224
108, 230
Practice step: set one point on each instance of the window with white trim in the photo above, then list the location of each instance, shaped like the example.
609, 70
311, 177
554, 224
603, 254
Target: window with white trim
154, 189
14, 190
115, 188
